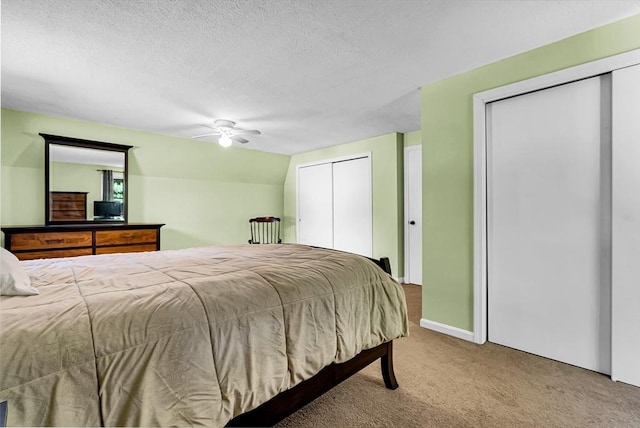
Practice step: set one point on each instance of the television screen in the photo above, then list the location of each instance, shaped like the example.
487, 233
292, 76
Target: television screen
107, 209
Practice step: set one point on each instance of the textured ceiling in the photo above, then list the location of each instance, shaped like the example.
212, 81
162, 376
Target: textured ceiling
307, 73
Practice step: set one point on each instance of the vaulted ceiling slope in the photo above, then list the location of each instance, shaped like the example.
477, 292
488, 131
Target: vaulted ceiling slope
307, 73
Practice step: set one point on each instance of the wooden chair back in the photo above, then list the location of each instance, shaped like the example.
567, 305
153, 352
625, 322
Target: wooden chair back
265, 230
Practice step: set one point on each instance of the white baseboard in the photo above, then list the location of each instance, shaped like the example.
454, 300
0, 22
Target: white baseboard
447, 329
400, 280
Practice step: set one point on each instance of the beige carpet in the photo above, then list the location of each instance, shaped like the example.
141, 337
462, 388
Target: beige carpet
448, 382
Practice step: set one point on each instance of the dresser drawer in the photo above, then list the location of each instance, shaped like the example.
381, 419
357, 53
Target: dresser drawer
71, 205
124, 237
126, 249
50, 254
68, 214
68, 197
36, 241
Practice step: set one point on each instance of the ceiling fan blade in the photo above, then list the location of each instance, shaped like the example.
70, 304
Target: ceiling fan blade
238, 139
207, 135
238, 131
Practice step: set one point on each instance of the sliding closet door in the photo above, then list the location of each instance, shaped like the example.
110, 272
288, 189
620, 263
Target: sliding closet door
352, 219
315, 205
548, 186
625, 340
334, 205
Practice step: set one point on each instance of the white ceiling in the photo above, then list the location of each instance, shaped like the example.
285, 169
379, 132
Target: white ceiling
83, 155
307, 73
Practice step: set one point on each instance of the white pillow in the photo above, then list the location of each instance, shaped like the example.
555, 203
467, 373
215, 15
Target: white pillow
14, 280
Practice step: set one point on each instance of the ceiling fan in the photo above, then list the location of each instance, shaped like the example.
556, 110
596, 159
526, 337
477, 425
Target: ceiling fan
228, 133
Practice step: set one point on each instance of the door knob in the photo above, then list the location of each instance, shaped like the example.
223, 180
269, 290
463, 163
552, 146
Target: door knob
412, 222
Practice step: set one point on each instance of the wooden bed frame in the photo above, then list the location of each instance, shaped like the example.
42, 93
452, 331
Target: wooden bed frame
292, 400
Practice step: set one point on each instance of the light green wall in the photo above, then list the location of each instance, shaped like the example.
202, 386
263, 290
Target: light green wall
413, 138
205, 194
447, 136
386, 153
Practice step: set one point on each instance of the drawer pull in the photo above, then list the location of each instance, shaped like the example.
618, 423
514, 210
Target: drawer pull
54, 241
127, 235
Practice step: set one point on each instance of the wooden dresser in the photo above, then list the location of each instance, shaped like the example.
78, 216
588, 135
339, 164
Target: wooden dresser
68, 206
43, 242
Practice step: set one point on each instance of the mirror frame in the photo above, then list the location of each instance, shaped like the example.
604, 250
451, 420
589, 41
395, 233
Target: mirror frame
87, 144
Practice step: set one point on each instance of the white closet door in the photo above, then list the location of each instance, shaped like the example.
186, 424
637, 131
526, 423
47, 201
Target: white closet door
315, 206
413, 214
352, 210
625, 340
548, 224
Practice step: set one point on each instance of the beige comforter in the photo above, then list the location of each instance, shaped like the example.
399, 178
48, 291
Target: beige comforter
185, 337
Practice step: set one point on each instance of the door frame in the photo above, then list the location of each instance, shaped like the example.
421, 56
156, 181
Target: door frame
417, 147
333, 160
480, 100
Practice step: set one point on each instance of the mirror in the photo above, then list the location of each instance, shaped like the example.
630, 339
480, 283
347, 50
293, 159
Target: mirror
85, 181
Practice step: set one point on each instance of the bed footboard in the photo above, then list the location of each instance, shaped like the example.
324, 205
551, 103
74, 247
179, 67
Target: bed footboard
292, 400
384, 264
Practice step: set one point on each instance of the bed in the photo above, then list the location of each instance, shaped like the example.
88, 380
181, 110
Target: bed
202, 336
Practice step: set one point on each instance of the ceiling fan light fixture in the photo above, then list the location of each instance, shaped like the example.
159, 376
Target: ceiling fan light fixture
227, 133
224, 141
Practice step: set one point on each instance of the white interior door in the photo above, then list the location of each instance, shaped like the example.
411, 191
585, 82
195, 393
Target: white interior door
548, 227
315, 205
625, 340
413, 214
352, 209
